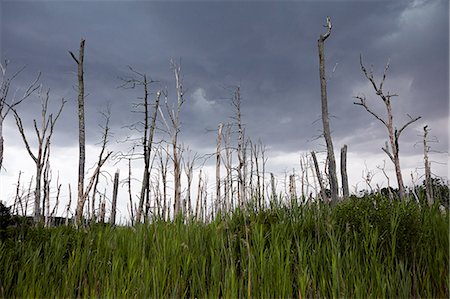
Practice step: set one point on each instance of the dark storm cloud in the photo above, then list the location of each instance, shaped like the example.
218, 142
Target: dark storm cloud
268, 48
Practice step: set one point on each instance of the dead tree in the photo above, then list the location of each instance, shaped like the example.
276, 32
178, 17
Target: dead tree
112, 220
163, 168
236, 102
198, 205
107, 116
130, 196
344, 177
149, 127
188, 164
325, 116
43, 136
428, 181
174, 130
391, 151
292, 189
273, 188
319, 177
228, 162
68, 206
6, 105
218, 158
102, 158
81, 124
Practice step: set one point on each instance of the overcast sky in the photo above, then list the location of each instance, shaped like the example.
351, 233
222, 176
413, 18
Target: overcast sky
268, 48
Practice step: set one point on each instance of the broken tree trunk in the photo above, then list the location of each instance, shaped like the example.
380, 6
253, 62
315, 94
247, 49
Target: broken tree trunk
114, 198
344, 177
325, 116
81, 124
319, 177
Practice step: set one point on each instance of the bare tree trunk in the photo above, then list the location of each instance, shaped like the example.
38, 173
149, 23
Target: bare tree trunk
241, 148
102, 209
325, 116
147, 149
81, 124
218, 158
264, 161
82, 200
344, 177
114, 198
319, 177
272, 185
189, 171
68, 206
163, 171
130, 195
198, 205
428, 181
17, 199
228, 166
258, 177
174, 129
94, 178
292, 189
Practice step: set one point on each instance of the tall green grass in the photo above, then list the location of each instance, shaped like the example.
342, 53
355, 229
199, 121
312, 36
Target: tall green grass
360, 248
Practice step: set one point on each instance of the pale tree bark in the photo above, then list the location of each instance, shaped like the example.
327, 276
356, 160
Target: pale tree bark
319, 177
391, 151
102, 158
81, 123
7, 105
163, 168
174, 130
228, 184
325, 117
149, 132
68, 206
273, 188
43, 136
292, 189
82, 199
218, 158
198, 204
107, 116
236, 101
344, 177
130, 195
112, 220
188, 163
428, 182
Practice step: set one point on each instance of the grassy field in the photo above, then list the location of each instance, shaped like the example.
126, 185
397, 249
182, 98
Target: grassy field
360, 248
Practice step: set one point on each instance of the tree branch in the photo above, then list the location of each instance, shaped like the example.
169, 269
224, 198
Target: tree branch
363, 103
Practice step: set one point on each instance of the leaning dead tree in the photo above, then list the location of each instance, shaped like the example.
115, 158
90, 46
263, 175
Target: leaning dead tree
5, 104
391, 150
323, 194
325, 116
81, 124
41, 156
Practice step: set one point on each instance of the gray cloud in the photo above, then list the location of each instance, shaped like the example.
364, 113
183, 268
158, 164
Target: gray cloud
269, 48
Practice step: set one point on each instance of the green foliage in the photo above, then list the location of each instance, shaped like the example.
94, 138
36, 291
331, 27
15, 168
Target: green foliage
368, 247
